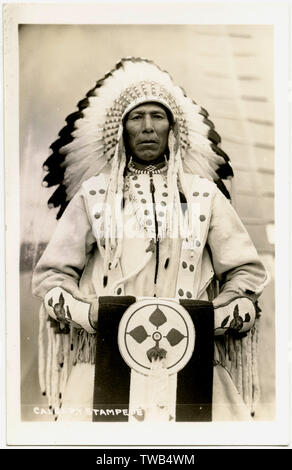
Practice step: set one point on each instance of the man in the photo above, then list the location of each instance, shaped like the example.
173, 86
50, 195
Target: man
144, 220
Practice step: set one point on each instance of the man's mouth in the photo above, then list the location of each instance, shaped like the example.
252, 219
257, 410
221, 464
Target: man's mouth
148, 142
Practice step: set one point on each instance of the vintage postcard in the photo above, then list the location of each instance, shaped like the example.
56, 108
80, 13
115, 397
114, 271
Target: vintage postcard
147, 221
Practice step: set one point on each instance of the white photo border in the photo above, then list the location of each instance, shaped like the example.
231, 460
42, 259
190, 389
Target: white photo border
178, 434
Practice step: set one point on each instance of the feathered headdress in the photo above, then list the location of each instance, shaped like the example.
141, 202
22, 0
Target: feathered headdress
88, 142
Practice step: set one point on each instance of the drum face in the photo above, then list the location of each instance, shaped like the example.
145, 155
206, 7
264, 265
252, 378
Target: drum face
154, 327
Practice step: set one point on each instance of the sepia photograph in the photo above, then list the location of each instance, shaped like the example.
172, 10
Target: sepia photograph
146, 216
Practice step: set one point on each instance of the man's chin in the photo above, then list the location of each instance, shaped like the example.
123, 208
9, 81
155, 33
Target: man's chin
147, 159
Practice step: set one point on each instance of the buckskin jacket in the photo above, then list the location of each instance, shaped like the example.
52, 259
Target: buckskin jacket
221, 264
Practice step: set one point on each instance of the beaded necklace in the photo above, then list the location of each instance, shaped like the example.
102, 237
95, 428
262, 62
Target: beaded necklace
153, 169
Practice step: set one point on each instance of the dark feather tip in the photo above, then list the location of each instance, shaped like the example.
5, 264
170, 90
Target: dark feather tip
119, 64
214, 136
208, 123
61, 142
98, 84
83, 104
53, 178
204, 112
58, 197
71, 118
53, 160
223, 188
224, 171
166, 263
66, 130
104, 281
62, 210
220, 152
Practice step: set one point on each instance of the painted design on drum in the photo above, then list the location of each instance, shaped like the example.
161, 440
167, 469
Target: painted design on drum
156, 331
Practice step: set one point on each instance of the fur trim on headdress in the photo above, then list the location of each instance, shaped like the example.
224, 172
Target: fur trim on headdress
87, 144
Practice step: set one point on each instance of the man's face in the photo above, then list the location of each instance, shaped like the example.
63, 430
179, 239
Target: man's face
147, 129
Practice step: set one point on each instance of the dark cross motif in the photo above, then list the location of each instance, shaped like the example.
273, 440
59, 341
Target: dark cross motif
174, 337
139, 334
157, 318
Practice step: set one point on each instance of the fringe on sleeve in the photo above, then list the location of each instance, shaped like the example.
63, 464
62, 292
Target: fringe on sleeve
61, 346
239, 356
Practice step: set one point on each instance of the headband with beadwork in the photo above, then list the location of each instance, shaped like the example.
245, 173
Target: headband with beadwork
87, 143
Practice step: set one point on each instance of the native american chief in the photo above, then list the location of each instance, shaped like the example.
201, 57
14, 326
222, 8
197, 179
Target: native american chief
149, 285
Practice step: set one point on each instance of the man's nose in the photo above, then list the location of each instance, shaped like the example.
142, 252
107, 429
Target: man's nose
147, 125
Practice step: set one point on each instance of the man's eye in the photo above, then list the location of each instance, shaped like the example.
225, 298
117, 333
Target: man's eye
136, 117
158, 116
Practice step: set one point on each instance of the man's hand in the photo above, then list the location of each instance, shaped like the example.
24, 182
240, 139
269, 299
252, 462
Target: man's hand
93, 313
